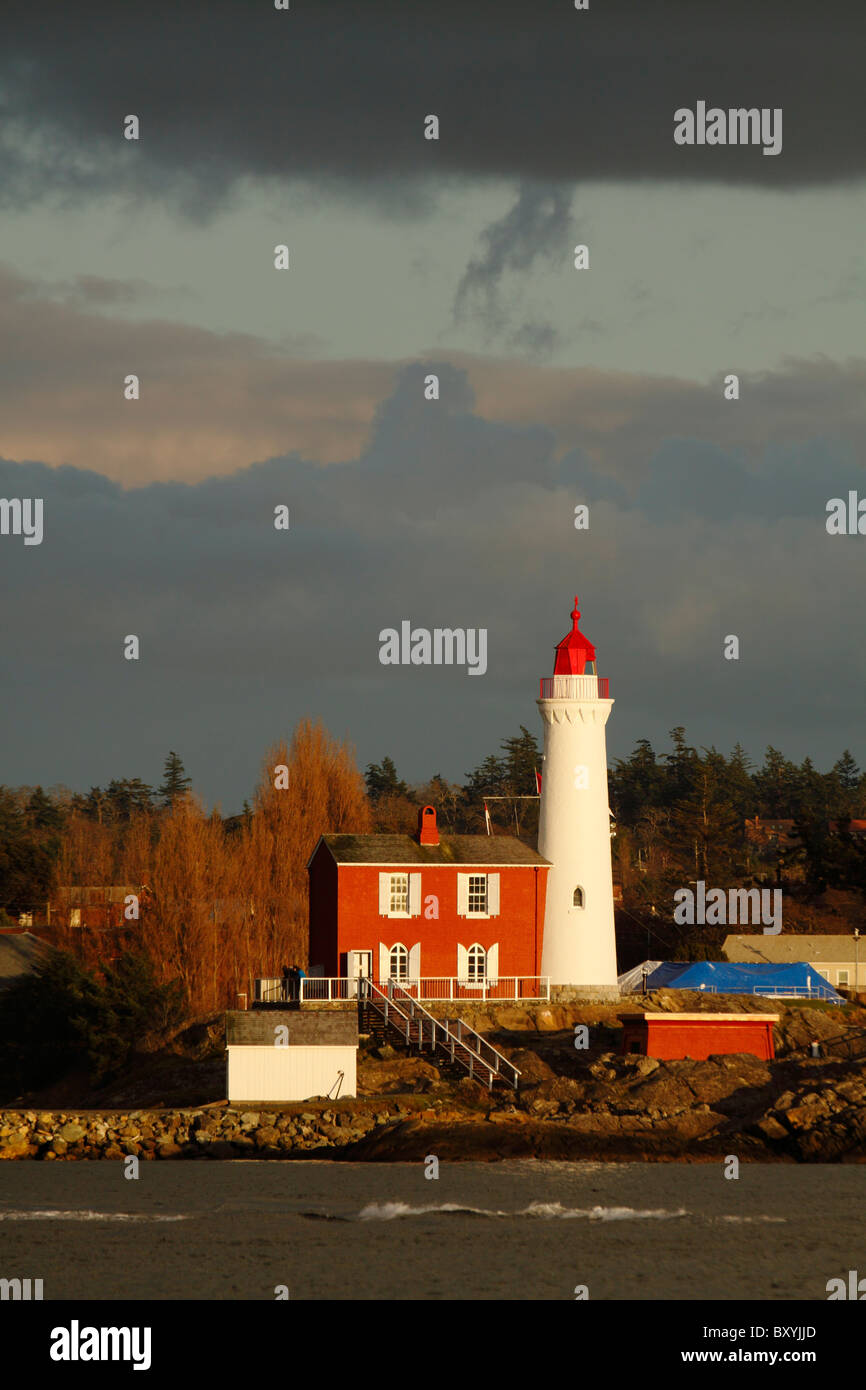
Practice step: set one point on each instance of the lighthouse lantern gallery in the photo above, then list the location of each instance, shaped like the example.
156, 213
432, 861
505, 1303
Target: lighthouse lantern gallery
481, 909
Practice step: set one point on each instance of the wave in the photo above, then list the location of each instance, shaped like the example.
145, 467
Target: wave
84, 1216
393, 1211
745, 1219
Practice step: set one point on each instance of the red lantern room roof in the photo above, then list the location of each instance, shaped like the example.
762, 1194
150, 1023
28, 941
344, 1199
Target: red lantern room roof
574, 651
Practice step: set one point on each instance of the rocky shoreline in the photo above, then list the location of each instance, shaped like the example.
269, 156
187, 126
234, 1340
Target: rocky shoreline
595, 1104
630, 1108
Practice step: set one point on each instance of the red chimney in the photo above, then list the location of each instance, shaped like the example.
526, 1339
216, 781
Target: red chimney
428, 831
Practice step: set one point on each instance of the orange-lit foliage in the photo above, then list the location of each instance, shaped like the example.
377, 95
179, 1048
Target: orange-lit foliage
222, 907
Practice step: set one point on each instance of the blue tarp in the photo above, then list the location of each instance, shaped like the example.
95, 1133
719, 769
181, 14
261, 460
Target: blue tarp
725, 977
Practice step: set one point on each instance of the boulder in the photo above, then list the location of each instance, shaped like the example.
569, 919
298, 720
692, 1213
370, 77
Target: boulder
770, 1129
645, 1066
218, 1149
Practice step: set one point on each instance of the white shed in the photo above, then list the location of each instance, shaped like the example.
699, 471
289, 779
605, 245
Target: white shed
285, 1055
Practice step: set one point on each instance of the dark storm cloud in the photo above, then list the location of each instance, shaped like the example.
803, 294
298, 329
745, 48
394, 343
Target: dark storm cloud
337, 93
446, 519
538, 226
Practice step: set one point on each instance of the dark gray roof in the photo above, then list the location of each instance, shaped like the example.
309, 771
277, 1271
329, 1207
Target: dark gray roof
790, 946
18, 954
452, 849
306, 1027
94, 896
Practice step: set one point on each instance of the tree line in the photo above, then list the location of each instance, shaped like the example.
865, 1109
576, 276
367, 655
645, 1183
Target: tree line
226, 898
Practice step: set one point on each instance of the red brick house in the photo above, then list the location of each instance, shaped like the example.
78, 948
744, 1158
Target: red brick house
403, 907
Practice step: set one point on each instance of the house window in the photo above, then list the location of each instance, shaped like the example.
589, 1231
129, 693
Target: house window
578, 899
842, 977
398, 963
398, 898
477, 965
75, 917
477, 894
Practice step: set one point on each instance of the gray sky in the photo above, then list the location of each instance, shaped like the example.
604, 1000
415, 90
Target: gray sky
305, 387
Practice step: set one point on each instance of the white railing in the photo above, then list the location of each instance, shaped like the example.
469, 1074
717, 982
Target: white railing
821, 991
331, 988
810, 991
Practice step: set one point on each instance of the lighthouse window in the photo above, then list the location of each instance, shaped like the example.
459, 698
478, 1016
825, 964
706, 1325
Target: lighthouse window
477, 964
399, 894
578, 899
398, 963
477, 893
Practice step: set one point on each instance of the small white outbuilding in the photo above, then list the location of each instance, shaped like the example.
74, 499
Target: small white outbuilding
286, 1055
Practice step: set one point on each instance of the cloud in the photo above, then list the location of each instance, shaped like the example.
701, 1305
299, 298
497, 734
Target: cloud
445, 519
336, 96
210, 402
538, 226
213, 403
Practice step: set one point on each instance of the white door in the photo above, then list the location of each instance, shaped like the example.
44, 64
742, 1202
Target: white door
360, 966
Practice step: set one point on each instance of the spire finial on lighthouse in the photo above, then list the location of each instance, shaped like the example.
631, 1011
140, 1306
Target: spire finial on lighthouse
575, 612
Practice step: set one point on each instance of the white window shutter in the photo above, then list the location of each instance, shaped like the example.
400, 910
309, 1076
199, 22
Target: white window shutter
415, 960
462, 961
462, 896
384, 962
384, 894
414, 897
493, 963
492, 895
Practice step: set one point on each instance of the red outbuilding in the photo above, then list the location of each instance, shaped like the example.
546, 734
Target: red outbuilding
464, 909
698, 1035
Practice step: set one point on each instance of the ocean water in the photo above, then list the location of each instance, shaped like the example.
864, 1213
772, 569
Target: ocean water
514, 1230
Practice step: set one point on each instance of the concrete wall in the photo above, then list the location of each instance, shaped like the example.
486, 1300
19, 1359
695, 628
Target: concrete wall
306, 1027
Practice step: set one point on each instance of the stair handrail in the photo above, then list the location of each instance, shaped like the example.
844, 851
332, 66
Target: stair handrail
500, 1066
481, 1044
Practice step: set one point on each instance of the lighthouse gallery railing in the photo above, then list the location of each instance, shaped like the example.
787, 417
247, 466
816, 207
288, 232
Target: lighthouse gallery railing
575, 688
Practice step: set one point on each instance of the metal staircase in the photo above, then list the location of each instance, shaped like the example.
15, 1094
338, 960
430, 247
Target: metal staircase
395, 1010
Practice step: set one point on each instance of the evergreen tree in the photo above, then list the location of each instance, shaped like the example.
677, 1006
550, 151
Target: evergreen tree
810, 796
27, 856
846, 770
520, 762
175, 782
776, 786
127, 795
490, 778
43, 813
635, 785
843, 787
707, 824
382, 781
681, 767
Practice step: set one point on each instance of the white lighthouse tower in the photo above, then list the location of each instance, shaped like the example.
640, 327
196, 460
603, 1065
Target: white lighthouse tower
579, 945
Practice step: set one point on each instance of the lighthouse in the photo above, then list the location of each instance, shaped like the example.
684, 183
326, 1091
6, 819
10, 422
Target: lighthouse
579, 944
